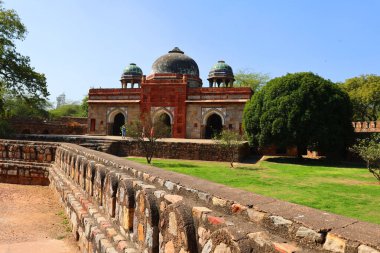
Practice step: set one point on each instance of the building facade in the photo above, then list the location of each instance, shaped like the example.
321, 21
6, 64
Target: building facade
173, 92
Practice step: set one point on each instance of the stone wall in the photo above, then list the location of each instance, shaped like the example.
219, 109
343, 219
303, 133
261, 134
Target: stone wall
63, 125
28, 151
183, 150
187, 149
115, 205
25, 162
27, 174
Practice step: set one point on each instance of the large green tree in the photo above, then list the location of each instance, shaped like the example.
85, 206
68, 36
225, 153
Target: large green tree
364, 92
300, 109
254, 80
19, 107
70, 110
17, 76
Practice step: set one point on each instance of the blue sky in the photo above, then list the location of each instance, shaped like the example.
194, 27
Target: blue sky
88, 43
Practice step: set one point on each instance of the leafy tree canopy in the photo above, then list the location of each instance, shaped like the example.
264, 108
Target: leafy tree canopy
20, 107
146, 132
300, 109
255, 80
73, 110
230, 140
364, 92
16, 74
369, 150
84, 106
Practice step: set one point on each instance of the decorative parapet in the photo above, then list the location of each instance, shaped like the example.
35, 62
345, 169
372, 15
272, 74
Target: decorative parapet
226, 94
366, 126
121, 94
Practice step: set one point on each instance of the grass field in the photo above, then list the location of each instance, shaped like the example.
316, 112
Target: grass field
333, 187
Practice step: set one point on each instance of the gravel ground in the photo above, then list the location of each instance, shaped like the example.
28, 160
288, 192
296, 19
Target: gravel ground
32, 220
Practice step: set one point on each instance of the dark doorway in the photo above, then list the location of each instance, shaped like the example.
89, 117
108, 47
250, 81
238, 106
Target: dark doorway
165, 118
213, 126
92, 125
117, 123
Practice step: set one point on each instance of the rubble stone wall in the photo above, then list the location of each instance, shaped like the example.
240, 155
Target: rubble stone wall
165, 149
115, 205
25, 162
184, 150
63, 125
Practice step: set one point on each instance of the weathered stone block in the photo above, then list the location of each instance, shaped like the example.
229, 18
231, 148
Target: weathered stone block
334, 243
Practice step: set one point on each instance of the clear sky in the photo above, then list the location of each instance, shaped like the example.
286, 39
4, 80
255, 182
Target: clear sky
80, 44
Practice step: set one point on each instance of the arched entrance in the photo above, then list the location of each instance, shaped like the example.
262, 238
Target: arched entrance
165, 119
118, 121
214, 126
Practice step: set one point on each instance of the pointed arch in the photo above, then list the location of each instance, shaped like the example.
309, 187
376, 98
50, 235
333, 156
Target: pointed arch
161, 111
111, 114
210, 112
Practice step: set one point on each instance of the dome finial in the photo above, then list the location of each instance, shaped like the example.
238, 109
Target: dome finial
176, 50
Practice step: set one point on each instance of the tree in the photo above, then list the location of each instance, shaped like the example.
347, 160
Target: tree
230, 140
16, 75
71, 110
84, 106
255, 80
302, 110
364, 92
147, 131
21, 107
369, 151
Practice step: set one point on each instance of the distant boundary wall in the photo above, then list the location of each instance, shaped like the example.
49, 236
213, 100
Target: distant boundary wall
115, 205
165, 148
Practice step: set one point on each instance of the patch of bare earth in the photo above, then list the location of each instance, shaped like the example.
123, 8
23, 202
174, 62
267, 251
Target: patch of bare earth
32, 220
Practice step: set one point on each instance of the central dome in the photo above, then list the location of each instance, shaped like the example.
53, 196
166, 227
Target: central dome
175, 62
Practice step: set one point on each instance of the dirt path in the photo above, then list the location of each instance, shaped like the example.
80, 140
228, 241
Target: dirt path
32, 220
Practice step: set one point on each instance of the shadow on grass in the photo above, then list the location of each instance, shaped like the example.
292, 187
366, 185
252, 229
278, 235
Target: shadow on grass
177, 165
251, 159
317, 162
248, 168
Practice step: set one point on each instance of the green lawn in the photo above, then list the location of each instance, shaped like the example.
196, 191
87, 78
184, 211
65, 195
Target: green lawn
336, 188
